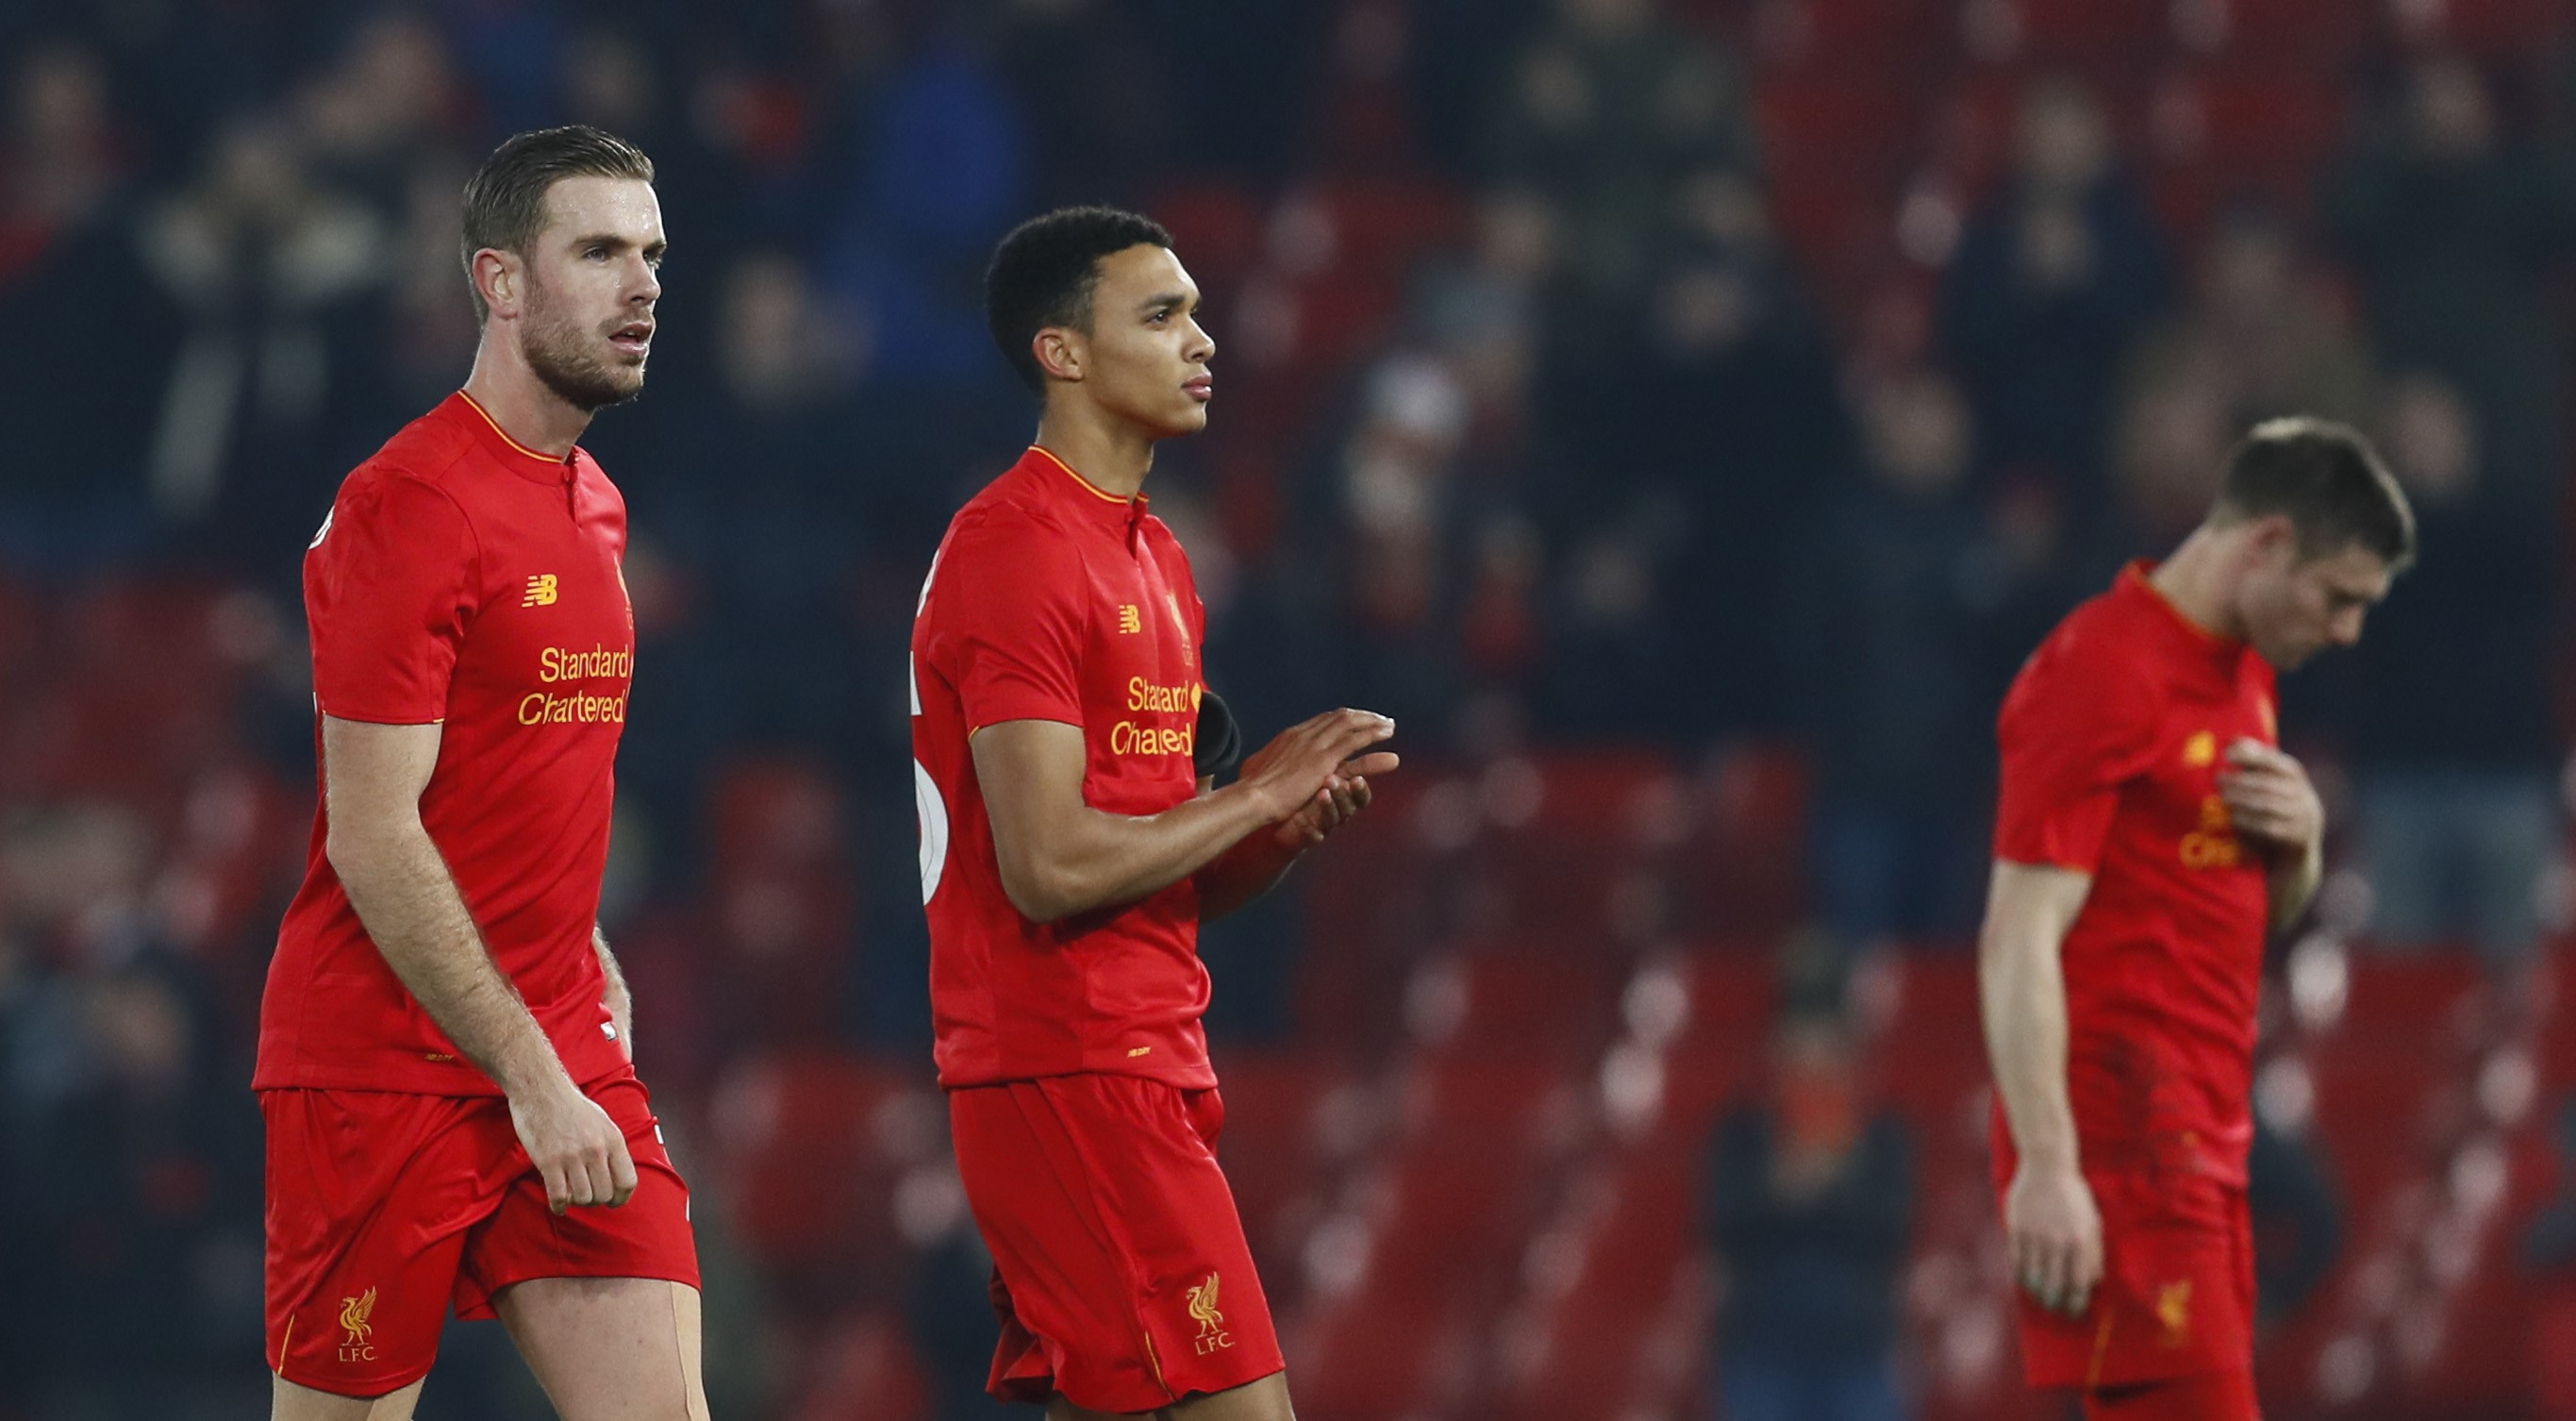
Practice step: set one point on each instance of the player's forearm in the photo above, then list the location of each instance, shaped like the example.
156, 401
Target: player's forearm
408, 902
2022, 996
2294, 885
1100, 860
615, 997
1243, 873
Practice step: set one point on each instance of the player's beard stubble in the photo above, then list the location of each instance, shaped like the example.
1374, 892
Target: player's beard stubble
565, 357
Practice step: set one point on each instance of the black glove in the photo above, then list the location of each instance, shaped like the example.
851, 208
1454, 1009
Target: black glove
1219, 742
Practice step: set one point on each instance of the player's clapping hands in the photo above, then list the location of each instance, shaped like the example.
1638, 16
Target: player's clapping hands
2269, 797
1316, 777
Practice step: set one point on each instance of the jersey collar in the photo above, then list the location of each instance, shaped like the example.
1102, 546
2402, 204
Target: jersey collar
2222, 652
519, 458
1080, 496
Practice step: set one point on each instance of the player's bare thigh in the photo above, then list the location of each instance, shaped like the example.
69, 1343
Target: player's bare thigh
1263, 1400
289, 1402
610, 1349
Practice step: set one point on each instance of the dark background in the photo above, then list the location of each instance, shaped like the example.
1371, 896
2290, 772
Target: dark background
1681, 416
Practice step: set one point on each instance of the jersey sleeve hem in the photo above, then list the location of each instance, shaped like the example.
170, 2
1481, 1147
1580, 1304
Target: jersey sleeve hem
1051, 717
377, 716
2061, 861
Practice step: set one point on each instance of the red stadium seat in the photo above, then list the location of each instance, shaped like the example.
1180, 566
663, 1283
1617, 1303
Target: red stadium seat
1273, 1150
2371, 1121
1365, 1357
2320, 35
2085, 34
1580, 843
2261, 134
1377, 226
1593, 1356
1717, 1060
2409, 1005
2553, 1353
2488, 29
803, 1141
772, 815
866, 1370
1531, 1000
1894, 38
1852, 129
1296, 338
1747, 861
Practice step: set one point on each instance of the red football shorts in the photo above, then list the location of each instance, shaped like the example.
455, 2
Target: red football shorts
384, 1209
1120, 1270
2177, 1292
2214, 1396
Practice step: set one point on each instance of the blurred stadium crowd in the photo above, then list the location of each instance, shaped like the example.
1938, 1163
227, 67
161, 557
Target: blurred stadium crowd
1681, 415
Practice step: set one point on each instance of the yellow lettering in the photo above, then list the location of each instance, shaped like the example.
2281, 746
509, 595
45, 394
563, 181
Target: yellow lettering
1129, 738
563, 663
1136, 693
538, 708
2206, 851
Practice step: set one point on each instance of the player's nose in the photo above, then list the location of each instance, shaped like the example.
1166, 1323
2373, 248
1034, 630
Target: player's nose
1202, 345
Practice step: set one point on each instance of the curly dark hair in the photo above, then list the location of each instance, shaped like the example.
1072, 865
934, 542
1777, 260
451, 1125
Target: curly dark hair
1043, 274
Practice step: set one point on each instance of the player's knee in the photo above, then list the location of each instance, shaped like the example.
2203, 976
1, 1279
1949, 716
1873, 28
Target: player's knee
1263, 1400
291, 1402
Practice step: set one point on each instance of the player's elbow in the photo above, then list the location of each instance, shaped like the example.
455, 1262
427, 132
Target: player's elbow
1041, 892
359, 847
350, 854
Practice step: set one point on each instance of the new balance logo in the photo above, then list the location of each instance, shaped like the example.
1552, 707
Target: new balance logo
1130, 621
541, 591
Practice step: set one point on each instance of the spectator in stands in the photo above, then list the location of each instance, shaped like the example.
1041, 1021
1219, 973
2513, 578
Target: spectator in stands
2052, 281
2298, 1222
390, 99
2453, 751
132, 1156
2455, 230
1881, 623
276, 274
89, 344
937, 174
1711, 503
1811, 1205
1605, 111
2258, 334
2549, 1240
1409, 511
2168, 451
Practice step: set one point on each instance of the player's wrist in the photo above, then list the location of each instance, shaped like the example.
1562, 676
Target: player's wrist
535, 1076
1264, 800
2050, 1157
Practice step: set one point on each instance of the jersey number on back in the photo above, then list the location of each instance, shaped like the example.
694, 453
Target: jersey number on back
926, 802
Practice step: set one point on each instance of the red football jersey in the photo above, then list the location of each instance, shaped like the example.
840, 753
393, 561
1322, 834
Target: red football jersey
2113, 738
1051, 599
466, 579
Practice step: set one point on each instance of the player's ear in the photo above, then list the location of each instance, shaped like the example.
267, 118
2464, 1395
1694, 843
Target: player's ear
499, 278
2275, 540
1060, 352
